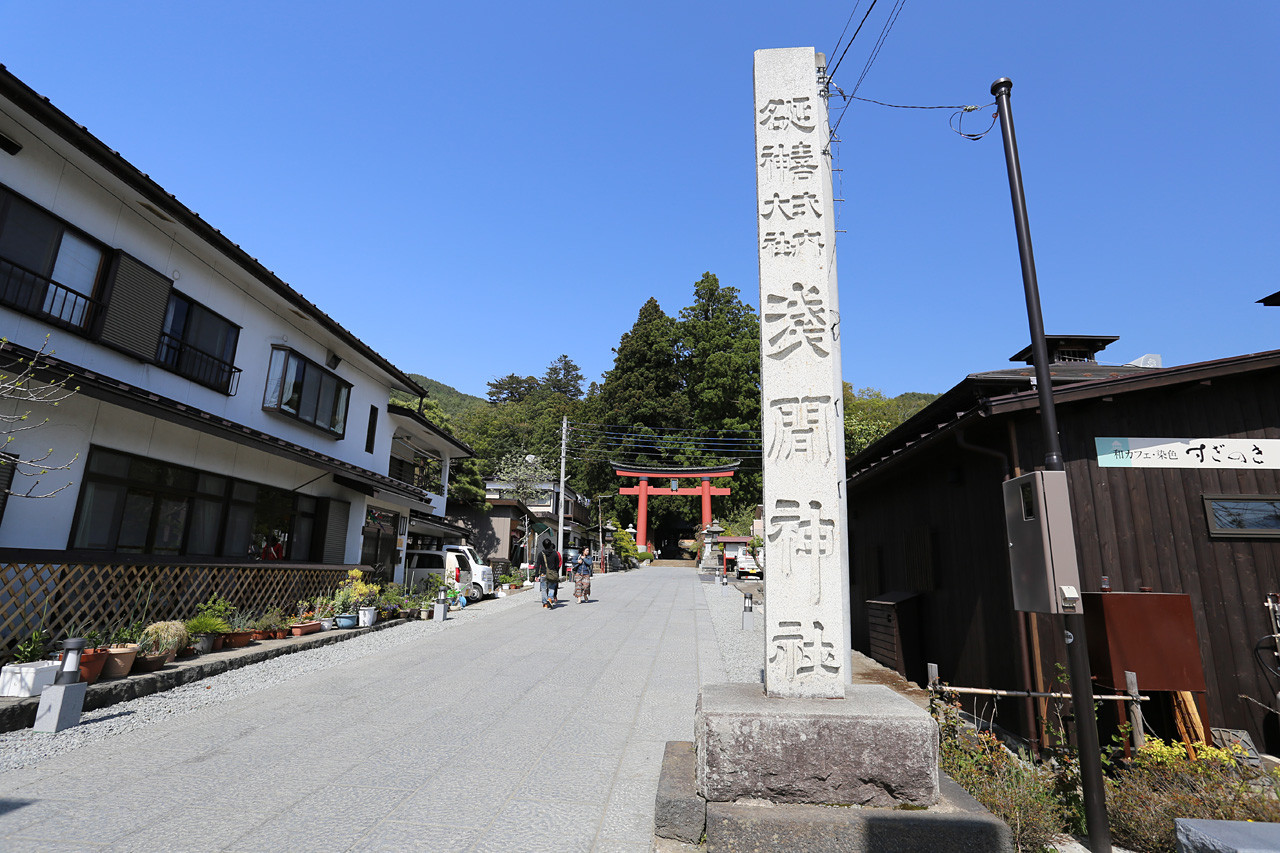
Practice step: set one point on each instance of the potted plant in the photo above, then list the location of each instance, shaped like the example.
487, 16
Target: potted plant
29, 673
268, 624
241, 631
305, 622
203, 628
159, 645
368, 599
223, 609
324, 612
345, 602
122, 649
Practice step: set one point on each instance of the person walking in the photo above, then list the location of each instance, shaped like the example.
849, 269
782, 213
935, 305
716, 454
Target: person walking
582, 576
549, 570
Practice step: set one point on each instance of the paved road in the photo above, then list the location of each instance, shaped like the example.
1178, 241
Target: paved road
525, 730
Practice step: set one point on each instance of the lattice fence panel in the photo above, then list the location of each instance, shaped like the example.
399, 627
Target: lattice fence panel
83, 596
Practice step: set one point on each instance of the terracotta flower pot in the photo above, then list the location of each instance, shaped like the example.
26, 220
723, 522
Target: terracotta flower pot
281, 633
91, 663
119, 660
237, 639
264, 635
302, 628
217, 642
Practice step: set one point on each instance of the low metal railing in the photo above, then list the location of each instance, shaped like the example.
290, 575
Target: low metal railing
197, 365
34, 294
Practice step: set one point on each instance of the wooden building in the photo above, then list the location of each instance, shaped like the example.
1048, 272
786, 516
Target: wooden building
929, 554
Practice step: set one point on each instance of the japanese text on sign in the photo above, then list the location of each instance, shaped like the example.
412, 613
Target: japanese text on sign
1187, 452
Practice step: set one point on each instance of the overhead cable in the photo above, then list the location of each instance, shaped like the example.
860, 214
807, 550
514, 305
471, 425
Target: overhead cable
832, 72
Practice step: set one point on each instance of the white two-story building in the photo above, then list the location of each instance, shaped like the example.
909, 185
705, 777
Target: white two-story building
220, 415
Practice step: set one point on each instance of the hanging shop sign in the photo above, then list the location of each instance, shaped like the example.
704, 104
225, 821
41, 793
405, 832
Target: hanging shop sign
1188, 452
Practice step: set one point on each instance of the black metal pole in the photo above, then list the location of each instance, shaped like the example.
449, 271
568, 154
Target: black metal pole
1095, 803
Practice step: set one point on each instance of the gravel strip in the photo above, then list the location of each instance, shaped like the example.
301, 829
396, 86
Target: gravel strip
743, 650
27, 748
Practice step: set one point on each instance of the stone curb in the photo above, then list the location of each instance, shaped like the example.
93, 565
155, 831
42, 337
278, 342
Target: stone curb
957, 824
18, 714
679, 812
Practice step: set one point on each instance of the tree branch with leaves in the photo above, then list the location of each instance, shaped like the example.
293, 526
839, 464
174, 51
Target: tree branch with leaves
24, 393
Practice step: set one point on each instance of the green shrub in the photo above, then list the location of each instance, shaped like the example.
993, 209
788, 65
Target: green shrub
33, 648
1162, 783
217, 606
206, 623
1015, 790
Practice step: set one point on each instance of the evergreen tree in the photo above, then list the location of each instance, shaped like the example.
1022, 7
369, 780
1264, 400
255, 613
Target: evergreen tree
563, 377
512, 388
720, 343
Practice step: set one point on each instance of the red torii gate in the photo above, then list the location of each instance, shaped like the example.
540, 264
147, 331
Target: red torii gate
672, 474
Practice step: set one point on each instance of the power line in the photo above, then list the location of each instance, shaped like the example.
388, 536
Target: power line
592, 439
832, 72
621, 433
656, 429
884, 33
875, 51
846, 27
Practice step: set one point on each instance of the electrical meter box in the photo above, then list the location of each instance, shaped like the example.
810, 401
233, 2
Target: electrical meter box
1042, 545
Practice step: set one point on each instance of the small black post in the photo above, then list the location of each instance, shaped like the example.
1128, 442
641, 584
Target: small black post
1095, 803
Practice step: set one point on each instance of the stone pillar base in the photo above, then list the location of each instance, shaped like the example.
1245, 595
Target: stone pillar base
871, 748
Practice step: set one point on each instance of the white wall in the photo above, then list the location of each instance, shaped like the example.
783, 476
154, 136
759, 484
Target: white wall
80, 421
105, 209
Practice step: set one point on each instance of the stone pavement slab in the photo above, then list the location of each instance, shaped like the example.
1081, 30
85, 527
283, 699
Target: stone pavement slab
525, 730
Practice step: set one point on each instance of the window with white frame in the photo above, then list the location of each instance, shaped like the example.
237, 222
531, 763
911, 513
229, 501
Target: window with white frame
300, 388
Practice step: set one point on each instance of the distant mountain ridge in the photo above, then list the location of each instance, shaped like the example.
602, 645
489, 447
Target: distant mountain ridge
451, 400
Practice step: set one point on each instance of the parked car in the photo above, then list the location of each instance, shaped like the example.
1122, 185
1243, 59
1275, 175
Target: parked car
458, 565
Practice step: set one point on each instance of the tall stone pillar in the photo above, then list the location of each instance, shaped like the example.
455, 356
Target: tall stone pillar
809, 736
806, 529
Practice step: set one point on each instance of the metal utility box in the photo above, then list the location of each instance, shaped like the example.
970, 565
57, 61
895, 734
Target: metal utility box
1042, 546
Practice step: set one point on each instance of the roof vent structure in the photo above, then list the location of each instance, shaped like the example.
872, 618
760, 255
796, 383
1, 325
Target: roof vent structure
1065, 349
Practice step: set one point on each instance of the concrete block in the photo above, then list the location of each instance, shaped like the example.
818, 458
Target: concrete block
680, 814
1226, 836
60, 707
872, 747
770, 828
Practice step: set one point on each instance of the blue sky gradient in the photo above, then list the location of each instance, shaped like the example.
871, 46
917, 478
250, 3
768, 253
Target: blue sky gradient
475, 188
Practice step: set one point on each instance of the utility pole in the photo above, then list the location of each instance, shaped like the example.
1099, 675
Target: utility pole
1095, 804
564, 446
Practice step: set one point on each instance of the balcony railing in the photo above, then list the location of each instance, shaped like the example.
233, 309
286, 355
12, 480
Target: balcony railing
197, 365
33, 294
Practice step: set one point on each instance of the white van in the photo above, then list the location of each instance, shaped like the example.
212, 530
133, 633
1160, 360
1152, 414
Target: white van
457, 564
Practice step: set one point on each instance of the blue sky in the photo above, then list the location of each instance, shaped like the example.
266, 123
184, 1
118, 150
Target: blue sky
476, 188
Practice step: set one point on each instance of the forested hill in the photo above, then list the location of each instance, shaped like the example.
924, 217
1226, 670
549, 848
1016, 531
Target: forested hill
452, 401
